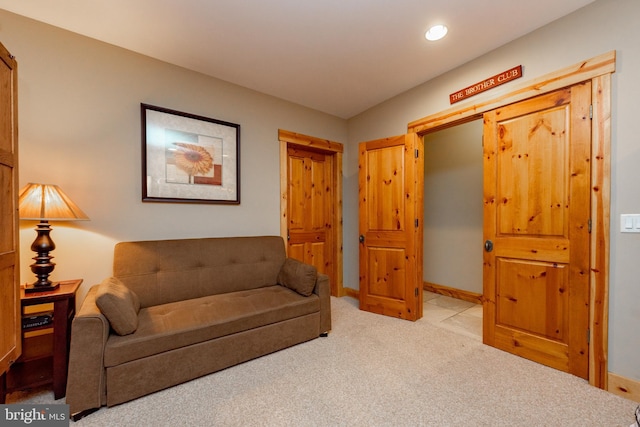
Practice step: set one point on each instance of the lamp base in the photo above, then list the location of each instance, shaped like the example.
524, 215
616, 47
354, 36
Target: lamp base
42, 266
35, 287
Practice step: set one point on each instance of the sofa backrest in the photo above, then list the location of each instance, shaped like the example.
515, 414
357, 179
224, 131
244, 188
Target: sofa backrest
163, 271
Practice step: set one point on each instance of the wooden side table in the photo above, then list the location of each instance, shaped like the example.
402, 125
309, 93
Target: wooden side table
45, 357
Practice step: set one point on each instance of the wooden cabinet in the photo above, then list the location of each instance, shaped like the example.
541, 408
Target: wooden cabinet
45, 348
9, 243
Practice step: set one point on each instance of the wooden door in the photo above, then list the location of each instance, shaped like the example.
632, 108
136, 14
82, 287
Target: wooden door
10, 324
390, 226
310, 208
536, 224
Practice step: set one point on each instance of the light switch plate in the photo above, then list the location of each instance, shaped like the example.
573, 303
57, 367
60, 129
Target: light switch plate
630, 223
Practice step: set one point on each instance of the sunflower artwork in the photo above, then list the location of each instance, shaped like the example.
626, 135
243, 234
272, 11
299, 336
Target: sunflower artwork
197, 163
188, 158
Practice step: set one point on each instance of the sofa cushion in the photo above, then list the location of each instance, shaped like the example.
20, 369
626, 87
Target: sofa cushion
119, 304
298, 276
178, 324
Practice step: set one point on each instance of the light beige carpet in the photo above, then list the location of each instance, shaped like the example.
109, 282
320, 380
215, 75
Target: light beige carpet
376, 371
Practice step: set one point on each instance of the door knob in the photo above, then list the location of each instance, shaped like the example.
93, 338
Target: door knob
488, 245
361, 238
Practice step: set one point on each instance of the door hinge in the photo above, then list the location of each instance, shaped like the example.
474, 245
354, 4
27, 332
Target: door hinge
417, 291
417, 223
591, 111
417, 153
588, 336
589, 225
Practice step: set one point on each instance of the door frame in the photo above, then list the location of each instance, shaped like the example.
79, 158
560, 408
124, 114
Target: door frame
335, 150
597, 69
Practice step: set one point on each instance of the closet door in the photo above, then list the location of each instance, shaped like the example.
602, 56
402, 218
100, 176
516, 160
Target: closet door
310, 207
10, 343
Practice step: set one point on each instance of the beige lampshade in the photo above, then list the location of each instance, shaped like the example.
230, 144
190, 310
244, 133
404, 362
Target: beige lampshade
47, 202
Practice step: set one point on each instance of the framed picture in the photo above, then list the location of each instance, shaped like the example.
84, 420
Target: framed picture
188, 158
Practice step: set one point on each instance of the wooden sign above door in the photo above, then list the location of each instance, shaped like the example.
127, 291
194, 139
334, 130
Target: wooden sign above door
486, 84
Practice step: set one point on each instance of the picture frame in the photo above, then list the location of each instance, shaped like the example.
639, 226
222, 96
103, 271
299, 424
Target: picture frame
188, 158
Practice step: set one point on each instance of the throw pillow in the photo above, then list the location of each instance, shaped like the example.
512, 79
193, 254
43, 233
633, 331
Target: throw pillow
298, 276
119, 304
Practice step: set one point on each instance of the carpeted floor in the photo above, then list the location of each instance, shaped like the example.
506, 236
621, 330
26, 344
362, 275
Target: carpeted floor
375, 371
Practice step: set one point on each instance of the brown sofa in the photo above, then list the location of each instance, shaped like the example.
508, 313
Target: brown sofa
175, 310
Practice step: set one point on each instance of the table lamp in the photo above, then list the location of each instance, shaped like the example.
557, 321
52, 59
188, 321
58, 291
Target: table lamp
44, 203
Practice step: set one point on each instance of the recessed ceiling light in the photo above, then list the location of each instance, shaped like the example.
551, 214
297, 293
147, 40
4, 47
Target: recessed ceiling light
436, 32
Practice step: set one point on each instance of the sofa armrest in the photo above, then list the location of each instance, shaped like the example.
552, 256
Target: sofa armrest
86, 388
323, 290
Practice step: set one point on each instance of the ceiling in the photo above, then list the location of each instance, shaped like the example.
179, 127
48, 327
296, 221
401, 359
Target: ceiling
337, 56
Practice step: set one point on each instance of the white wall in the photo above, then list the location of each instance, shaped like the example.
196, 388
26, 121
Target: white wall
453, 207
79, 127
600, 27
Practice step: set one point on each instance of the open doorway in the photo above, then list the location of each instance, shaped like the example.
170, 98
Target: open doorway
453, 233
453, 210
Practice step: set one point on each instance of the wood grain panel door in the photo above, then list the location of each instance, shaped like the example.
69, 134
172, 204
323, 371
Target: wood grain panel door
536, 224
310, 208
10, 342
390, 225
